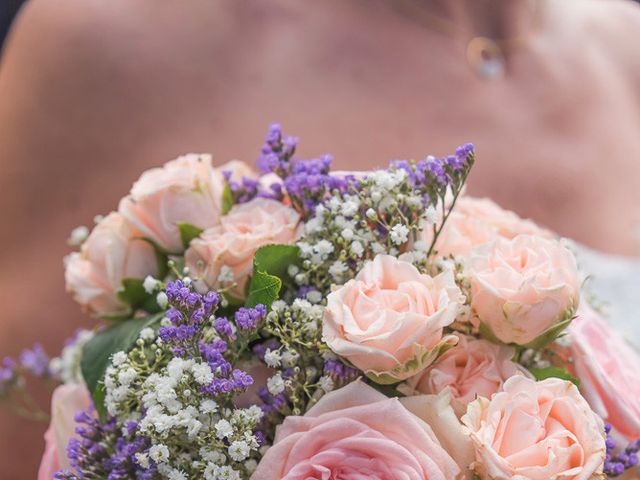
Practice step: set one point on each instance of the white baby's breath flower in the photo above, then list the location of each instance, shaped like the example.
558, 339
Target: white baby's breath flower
314, 296
272, 358
150, 284
223, 429
337, 269
142, 459
77, 236
147, 334
399, 234
289, 358
324, 247
225, 275
275, 384
356, 248
431, 215
159, 453
175, 474
239, 450
347, 234
292, 270
162, 300
126, 376
350, 207
208, 406
118, 358
202, 373
378, 248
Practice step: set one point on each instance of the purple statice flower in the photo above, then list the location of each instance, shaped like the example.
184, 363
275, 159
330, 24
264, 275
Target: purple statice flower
249, 188
102, 450
35, 361
340, 373
248, 319
617, 462
277, 152
188, 313
8, 374
224, 328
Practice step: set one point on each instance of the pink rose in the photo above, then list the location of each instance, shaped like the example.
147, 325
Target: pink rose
473, 367
522, 288
475, 221
185, 190
66, 402
608, 371
356, 433
389, 320
111, 253
536, 430
223, 255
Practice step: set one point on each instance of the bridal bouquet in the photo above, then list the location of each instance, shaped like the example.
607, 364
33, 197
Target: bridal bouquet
302, 323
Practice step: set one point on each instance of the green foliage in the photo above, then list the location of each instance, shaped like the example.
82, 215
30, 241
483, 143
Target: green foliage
97, 352
551, 334
554, 372
133, 293
188, 232
270, 265
227, 199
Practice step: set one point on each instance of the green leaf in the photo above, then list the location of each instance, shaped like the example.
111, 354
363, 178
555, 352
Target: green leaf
96, 353
264, 289
270, 266
551, 334
133, 293
554, 372
275, 260
188, 232
537, 343
227, 199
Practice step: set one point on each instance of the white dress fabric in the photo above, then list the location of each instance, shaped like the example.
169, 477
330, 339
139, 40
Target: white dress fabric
614, 282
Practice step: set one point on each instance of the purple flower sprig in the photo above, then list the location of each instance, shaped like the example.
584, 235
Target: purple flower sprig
102, 450
36, 361
8, 375
307, 183
248, 188
277, 153
617, 461
190, 316
340, 373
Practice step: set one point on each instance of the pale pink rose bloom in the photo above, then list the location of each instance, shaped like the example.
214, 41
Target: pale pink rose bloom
185, 190
66, 402
521, 288
608, 371
112, 252
389, 320
356, 432
474, 367
536, 431
233, 243
475, 221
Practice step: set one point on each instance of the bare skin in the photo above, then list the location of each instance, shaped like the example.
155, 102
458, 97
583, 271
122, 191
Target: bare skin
93, 92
